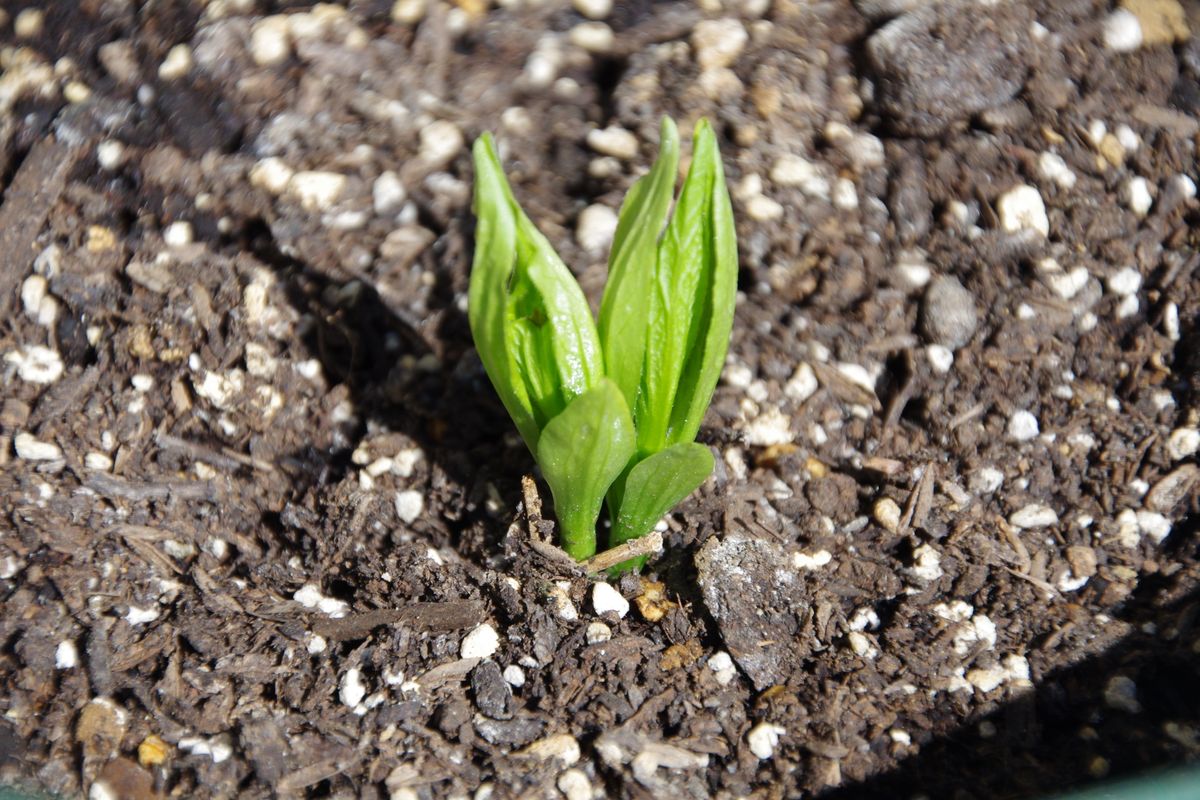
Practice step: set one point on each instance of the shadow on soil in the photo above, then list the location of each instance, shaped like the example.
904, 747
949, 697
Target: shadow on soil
1063, 734
416, 376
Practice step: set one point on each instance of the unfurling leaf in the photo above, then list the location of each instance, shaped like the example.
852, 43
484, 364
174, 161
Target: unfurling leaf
529, 318
625, 309
581, 452
691, 305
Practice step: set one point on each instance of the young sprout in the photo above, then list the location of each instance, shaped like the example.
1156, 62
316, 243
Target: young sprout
611, 411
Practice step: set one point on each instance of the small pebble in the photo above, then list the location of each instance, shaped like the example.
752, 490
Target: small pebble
763, 209
721, 663
595, 37
37, 364
593, 9
352, 691
388, 194
30, 448
409, 505
563, 605
1154, 525
718, 42
597, 633
986, 480
272, 174
1122, 31
481, 642
29, 23
845, 194
1183, 443
1021, 208
1033, 515
574, 785
98, 462
1121, 694
613, 141
178, 234
949, 316
802, 385
1125, 282
1067, 284
66, 656
595, 228
794, 170
441, 142
1128, 138
514, 675
33, 292
813, 561
763, 738
913, 270
316, 190
770, 428
1022, 426
927, 563
136, 615
1137, 196
860, 645
606, 599
177, 64
1053, 168
270, 40
109, 154
310, 596
940, 358
887, 513
408, 12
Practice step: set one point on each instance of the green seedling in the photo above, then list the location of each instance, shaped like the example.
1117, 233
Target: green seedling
611, 411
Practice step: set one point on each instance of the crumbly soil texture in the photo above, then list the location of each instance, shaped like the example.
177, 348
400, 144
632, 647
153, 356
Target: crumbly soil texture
262, 524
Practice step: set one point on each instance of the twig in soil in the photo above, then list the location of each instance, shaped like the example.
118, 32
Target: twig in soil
1023, 559
533, 506
650, 544
309, 776
440, 617
226, 459
140, 539
966, 416
919, 501
111, 486
843, 388
1049, 588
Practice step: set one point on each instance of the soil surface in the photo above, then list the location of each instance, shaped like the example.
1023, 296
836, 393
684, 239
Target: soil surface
262, 526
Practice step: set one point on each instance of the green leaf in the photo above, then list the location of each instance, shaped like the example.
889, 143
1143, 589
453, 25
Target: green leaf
529, 319
581, 452
691, 304
624, 310
656, 484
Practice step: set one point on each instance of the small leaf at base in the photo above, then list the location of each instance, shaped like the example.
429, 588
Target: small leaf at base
581, 452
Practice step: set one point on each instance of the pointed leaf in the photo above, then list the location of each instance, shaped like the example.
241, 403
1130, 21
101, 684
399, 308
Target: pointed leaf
581, 452
624, 311
495, 257
656, 485
691, 304
529, 318
706, 352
